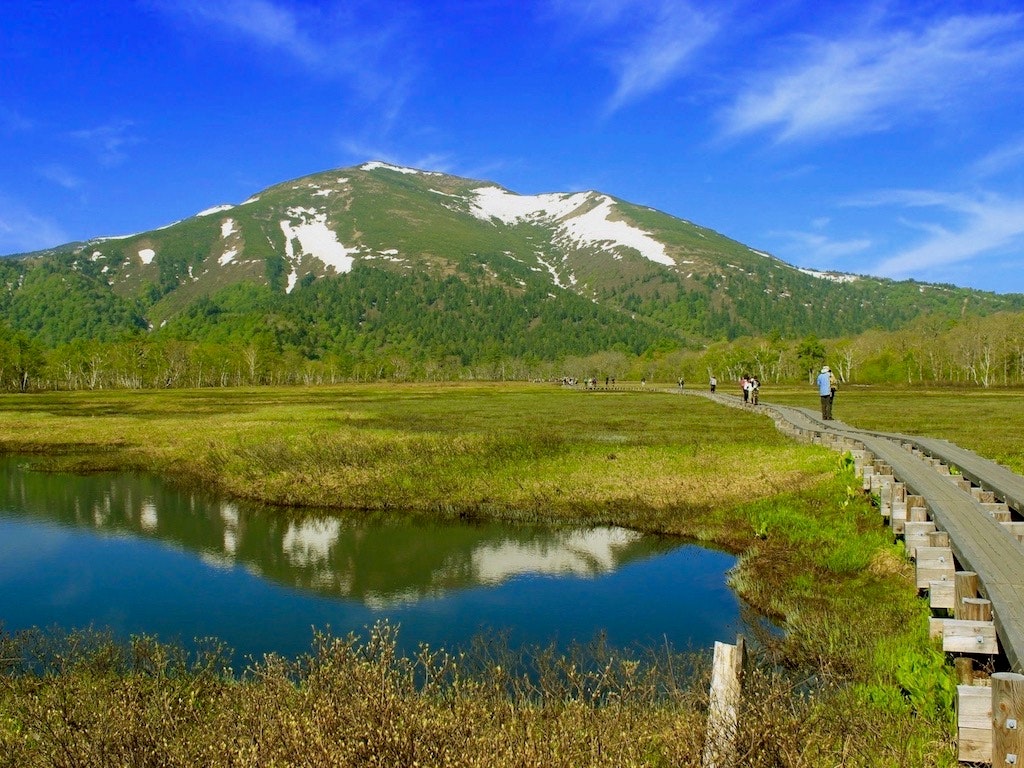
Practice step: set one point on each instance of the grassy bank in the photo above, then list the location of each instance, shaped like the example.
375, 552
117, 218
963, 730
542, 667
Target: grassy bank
853, 682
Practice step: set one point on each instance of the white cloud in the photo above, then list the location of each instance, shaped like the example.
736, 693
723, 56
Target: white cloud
648, 44
22, 231
874, 78
966, 229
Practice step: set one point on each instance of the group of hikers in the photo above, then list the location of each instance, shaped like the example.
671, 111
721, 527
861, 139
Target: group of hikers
750, 386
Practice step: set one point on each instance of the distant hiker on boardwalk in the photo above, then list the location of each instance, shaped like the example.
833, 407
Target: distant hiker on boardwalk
755, 390
680, 382
745, 386
714, 384
827, 391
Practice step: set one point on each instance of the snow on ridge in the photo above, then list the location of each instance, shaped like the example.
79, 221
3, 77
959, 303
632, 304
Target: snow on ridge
215, 209
509, 208
594, 227
835, 277
377, 164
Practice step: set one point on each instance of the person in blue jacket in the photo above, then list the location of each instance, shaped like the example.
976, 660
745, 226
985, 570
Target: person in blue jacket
827, 390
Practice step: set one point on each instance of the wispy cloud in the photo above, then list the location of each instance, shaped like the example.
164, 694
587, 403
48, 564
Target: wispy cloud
1007, 157
647, 44
964, 229
12, 121
60, 176
820, 251
360, 151
367, 48
22, 231
876, 77
109, 142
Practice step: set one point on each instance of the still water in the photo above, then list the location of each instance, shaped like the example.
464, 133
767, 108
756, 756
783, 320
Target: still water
132, 554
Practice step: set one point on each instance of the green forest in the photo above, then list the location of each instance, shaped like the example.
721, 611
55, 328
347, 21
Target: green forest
491, 318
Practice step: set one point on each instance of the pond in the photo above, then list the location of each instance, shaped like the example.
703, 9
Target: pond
132, 554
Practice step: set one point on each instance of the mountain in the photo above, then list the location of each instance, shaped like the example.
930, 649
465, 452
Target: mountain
418, 263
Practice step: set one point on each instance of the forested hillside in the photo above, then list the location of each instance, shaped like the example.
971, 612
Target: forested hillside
379, 271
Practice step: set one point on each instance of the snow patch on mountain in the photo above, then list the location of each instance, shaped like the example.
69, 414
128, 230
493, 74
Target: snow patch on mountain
227, 257
316, 239
215, 209
147, 255
227, 228
556, 278
835, 277
593, 227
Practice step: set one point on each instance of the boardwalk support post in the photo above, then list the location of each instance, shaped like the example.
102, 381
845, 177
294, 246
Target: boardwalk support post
1007, 719
724, 704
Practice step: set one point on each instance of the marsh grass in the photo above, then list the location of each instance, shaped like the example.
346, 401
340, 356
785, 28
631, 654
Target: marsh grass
514, 451
852, 681
86, 700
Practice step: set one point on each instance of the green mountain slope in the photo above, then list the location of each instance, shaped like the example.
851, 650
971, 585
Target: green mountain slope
430, 265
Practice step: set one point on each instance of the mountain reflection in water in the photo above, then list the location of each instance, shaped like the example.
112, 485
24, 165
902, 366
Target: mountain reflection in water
382, 562
132, 554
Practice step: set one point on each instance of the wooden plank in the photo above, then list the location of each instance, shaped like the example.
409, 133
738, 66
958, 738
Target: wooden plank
974, 724
934, 564
962, 636
941, 595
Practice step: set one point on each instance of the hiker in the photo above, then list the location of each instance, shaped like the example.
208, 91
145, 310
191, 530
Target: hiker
714, 384
827, 391
745, 386
755, 390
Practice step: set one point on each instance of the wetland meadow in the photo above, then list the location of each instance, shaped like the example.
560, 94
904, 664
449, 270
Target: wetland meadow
850, 679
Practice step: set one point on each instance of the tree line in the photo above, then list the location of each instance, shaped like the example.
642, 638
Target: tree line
975, 351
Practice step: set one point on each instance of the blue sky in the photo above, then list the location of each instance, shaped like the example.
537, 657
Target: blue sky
878, 138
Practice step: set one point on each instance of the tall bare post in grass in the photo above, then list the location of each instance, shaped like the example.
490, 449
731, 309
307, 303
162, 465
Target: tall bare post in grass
724, 704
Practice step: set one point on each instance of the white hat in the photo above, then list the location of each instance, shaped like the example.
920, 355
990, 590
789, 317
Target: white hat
825, 369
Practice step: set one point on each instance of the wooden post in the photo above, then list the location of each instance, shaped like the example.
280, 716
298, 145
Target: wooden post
917, 514
724, 704
964, 666
965, 585
938, 539
916, 535
1007, 719
976, 609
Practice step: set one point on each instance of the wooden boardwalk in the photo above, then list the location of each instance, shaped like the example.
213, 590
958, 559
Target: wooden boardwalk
979, 542
973, 543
